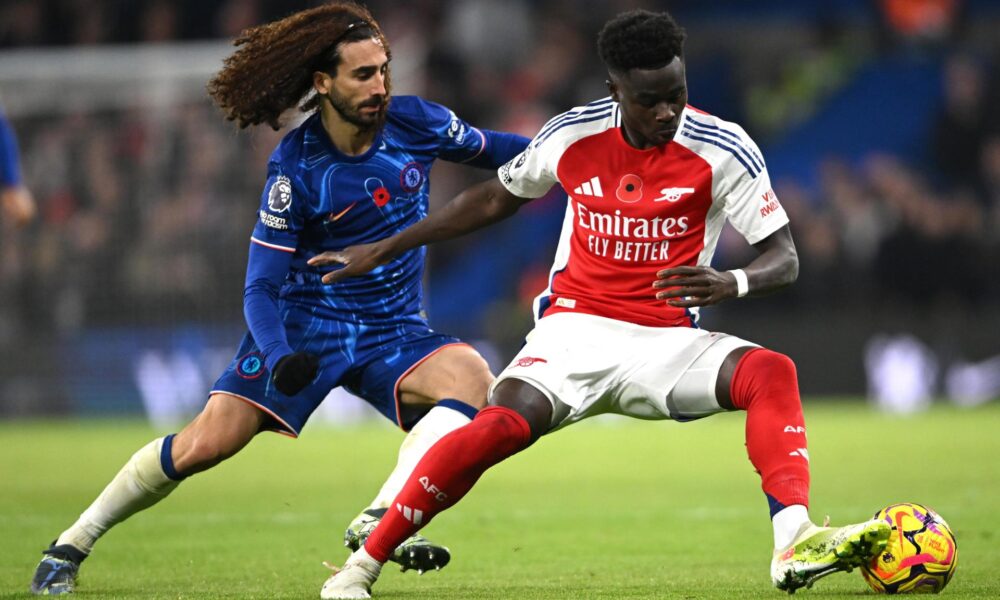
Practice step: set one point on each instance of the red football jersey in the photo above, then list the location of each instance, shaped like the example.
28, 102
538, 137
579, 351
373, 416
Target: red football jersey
634, 212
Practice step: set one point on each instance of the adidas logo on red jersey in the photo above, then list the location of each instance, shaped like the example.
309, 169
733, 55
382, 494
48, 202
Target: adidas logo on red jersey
590, 188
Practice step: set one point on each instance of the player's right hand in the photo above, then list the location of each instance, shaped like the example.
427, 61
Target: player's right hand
17, 204
357, 260
294, 372
688, 286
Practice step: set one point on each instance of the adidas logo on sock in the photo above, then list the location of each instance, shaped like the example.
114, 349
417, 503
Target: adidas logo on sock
800, 452
411, 514
590, 188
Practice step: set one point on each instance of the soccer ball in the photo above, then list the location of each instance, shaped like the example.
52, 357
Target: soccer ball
921, 554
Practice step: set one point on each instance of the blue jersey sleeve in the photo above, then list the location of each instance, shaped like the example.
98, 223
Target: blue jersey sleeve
281, 217
460, 142
501, 147
266, 272
283, 210
10, 168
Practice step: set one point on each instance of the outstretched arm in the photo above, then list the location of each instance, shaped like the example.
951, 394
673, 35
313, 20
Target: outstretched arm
476, 207
267, 268
775, 268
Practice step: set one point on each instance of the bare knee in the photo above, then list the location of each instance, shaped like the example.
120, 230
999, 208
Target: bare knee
456, 372
475, 392
527, 401
222, 429
470, 381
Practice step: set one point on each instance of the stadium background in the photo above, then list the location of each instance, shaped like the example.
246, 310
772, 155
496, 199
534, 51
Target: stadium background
879, 121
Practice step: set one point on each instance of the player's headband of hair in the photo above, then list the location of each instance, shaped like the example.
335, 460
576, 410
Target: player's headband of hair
329, 56
349, 29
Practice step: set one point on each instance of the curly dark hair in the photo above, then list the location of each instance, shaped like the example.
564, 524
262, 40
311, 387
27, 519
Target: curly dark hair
640, 39
272, 68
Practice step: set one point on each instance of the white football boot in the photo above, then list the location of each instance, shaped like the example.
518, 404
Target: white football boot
354, 579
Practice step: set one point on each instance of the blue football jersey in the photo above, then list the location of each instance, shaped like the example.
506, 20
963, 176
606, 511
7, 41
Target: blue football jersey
10, 169
317, 199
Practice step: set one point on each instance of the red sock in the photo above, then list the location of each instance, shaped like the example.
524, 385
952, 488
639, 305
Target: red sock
765, 385
447, 472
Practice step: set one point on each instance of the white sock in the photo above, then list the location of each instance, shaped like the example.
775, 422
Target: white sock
787, 523
361, 555
140, 484
435, 424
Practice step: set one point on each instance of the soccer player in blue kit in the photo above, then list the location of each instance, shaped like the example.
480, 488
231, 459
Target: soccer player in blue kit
16, 203
355, 171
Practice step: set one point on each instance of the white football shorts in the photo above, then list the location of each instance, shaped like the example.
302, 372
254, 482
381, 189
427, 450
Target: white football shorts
588, 365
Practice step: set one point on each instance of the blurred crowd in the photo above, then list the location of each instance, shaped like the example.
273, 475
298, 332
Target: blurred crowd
924, 233
139, 217
86, 22
144, 215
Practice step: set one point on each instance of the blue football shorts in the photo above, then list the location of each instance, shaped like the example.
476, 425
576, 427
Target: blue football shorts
368, 360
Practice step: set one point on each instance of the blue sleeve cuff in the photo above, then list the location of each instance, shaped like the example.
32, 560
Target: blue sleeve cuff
500, 148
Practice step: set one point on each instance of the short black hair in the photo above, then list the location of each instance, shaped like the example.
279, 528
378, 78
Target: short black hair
640, 39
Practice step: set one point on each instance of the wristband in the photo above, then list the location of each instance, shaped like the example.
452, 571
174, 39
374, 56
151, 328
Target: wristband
742, 283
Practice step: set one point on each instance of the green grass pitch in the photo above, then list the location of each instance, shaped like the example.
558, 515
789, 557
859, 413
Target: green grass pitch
607, 509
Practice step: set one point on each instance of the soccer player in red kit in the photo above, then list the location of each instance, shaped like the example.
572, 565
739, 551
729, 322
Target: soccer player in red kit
651, 182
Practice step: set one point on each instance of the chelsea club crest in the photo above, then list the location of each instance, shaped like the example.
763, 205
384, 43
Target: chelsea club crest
411, 178
251, 366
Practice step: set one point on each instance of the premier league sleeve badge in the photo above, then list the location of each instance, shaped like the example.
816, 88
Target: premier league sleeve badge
279, 197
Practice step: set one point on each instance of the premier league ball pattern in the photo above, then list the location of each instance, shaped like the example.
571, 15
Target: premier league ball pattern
921, 554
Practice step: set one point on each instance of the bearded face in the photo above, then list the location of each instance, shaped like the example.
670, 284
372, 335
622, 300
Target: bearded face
366, 114
359, 91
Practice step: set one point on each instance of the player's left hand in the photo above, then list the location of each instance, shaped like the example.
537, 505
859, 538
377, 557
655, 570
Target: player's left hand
294, 372
357, 260
685, 287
